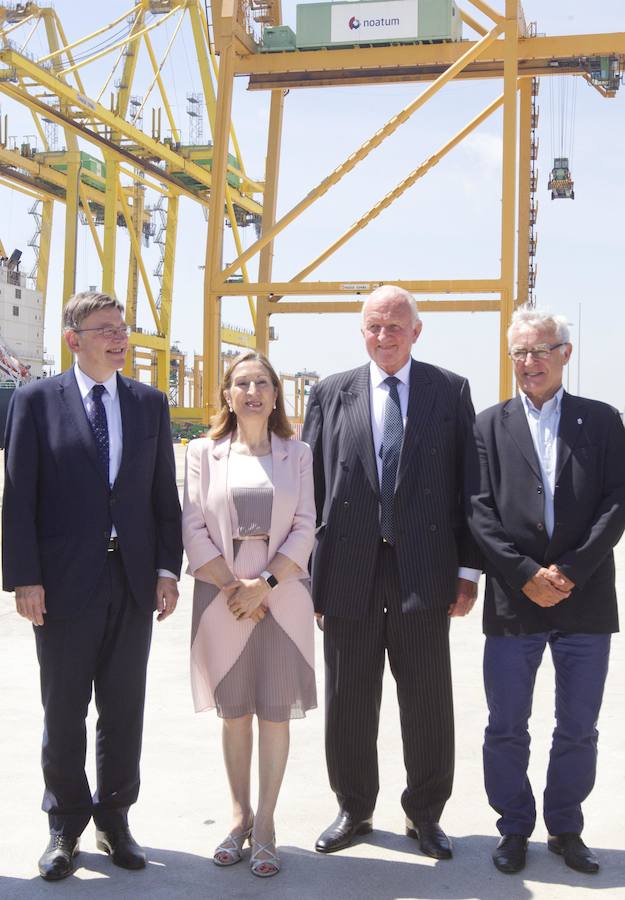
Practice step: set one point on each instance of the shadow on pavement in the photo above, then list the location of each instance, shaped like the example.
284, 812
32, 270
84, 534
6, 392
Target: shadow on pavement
310, 876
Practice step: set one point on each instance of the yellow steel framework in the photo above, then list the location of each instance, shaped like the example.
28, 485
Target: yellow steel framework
214, 176
51, 87
505, 49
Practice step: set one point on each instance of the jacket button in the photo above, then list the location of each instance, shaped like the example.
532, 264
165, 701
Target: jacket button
433, 451
540, 526
433, 527
540, 488
346, 504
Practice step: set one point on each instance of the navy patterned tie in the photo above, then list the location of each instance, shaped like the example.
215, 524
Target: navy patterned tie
390, 450
99, 426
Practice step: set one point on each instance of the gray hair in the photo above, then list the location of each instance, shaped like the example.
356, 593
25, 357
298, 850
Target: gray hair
82, 305
530, 317
390, 292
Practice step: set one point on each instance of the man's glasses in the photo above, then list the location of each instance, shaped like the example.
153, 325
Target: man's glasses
520, 354
107, 331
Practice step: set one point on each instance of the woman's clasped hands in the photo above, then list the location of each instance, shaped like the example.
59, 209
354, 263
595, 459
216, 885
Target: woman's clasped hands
246, 596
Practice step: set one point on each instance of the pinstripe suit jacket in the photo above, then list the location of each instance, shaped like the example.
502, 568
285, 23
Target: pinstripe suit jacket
432, 538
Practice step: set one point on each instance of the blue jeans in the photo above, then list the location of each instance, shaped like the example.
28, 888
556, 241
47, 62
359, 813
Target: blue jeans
510, 666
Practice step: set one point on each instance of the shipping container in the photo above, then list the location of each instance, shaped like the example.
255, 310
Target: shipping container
371, 22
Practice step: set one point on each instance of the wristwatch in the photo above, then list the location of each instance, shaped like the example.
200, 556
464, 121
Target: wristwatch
271, 580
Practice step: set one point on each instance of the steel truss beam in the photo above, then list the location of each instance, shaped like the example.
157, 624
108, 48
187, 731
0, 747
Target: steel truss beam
558, 55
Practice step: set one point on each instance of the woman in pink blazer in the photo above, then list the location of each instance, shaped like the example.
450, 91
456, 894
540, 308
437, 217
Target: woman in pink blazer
248, 527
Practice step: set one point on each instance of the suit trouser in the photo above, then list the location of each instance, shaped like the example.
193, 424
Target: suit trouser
418, 650
105, 648
510, 665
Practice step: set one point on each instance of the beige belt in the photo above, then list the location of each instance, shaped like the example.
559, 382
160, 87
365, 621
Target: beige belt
252, 537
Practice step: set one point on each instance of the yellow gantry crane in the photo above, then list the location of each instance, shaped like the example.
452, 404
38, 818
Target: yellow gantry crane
110, 191
503, 48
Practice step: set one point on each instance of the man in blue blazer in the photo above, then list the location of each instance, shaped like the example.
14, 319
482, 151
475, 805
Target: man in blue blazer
91, 545
548, 511
394, 560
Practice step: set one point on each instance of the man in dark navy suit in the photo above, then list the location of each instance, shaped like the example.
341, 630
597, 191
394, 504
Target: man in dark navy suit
548, 511
394, 561
92, 544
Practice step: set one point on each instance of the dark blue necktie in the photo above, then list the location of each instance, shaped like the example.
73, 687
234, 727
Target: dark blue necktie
97, 419
391, 448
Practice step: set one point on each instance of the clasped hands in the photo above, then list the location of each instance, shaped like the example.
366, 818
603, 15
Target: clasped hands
245, 598
548, 587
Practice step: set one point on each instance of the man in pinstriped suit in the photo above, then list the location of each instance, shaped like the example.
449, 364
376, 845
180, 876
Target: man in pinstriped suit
395, 593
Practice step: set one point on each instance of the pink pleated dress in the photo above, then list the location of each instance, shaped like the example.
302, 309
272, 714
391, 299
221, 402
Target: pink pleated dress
239, 667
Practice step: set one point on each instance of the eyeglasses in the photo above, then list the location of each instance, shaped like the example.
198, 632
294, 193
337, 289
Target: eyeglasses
107, 331
520, 354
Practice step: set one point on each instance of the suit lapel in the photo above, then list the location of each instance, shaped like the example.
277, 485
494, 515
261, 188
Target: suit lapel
357, 405
75, 408
279, 457
218, 496
571, 424
130, 409
515, 423
421, 397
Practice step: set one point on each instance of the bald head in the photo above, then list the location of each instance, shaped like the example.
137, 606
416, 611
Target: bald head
390, 326
392, 292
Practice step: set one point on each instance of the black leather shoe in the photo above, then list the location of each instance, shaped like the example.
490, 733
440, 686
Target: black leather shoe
58, 859
341, 832
509, 854
574, 851
122, 847
432, 839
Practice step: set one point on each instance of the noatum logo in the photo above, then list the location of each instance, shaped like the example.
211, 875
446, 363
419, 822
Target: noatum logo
355, 23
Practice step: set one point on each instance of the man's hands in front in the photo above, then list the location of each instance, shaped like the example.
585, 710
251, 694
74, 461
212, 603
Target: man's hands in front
166, 596
548, 587
30, 602
466, 595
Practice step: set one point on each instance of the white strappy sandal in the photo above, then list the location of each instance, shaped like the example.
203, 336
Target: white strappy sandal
232, 848
271, 862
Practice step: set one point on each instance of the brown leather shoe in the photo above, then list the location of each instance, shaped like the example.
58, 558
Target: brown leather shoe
58, 858
122, 848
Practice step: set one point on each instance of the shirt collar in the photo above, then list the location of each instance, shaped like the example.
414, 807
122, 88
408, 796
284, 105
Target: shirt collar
378, 375
549, 407
85, 383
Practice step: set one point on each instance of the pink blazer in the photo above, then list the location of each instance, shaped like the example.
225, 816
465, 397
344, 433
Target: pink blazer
206, 521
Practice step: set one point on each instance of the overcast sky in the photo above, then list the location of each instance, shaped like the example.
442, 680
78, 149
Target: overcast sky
446, 226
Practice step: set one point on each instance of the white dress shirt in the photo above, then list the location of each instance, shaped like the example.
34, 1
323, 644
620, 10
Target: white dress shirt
544, 424
110, 399
379, 392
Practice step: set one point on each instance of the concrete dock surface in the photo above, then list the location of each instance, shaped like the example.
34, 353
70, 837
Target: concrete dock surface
184, 810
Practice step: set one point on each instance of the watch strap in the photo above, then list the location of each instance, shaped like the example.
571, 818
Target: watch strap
271, 580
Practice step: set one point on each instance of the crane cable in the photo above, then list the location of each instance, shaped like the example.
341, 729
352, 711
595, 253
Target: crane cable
563, 103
